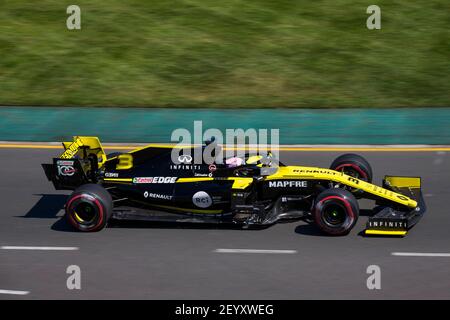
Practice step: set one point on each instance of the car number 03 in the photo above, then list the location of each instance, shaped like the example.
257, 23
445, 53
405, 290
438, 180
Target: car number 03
125, 162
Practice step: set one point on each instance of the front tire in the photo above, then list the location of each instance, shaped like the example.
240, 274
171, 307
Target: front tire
335, 211
353, 165
89, 208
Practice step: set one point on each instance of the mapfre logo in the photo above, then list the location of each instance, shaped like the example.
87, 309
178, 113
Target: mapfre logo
288, 184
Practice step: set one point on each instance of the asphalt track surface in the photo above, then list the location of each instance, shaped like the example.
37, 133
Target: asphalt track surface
154, 261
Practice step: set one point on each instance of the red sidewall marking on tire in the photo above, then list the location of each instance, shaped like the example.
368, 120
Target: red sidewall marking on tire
360, 171
347, 205
97, 203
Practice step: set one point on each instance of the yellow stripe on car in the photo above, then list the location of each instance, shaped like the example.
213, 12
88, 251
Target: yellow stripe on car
119, 179
238, 182
195, 179
386, 232
241, 183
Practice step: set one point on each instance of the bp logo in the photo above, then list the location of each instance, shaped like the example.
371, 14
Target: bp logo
201, 199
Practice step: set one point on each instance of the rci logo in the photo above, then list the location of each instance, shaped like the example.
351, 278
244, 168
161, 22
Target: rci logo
201, 199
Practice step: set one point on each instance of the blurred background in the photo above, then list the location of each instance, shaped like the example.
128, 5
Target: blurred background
213, 59
239, 53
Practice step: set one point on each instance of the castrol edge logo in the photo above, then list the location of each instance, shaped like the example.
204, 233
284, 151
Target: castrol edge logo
154, 179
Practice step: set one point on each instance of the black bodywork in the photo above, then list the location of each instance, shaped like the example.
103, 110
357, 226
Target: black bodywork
166, 200
156, 188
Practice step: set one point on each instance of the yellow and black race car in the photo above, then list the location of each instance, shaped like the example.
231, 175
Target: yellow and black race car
146, 184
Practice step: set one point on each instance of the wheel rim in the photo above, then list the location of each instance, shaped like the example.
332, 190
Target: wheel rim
334, 214
85, 212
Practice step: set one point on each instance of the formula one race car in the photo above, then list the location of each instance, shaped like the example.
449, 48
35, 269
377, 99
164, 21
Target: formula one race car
145, 184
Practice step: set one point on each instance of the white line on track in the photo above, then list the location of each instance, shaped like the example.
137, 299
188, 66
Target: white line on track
16, 292
420, 254
254, 251
38, 248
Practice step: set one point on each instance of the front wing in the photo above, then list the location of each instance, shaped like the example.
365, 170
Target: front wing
396, 221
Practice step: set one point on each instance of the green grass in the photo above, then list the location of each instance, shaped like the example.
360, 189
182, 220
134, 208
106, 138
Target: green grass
240, 53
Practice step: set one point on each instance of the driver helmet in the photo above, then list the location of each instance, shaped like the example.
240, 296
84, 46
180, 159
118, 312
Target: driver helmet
234, 162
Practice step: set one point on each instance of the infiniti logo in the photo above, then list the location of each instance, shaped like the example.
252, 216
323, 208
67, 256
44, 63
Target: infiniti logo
185, 158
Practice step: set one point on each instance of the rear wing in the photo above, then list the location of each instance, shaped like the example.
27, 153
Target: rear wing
82, 147
397, 221
77, 165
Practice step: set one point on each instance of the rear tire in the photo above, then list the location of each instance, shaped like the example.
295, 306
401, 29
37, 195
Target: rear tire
335, 211
89, 208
